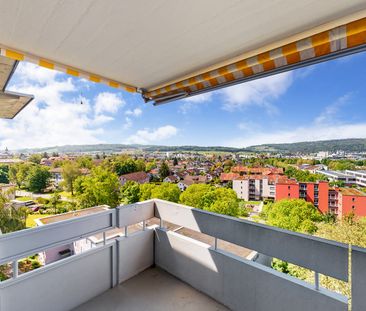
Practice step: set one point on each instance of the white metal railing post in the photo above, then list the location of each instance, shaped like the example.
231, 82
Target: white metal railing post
104, 238
161, 223
143, 225
126, 231
215, 243
15, 269
316, 280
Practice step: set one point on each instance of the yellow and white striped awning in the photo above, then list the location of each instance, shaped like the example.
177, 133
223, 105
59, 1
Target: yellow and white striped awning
50, 64
167, 50
340, 40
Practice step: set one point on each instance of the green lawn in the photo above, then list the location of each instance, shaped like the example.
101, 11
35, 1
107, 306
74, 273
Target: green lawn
24, 199
30, 219
252, 202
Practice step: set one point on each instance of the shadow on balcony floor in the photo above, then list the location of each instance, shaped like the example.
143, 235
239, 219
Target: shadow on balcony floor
153, 290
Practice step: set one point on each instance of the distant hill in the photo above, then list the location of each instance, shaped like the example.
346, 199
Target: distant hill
348, 145
111, 148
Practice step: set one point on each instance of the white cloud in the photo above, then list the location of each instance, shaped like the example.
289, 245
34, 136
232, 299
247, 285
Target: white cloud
55, 116
190, 103
330, 112
324, 126
135, 112
260, 92
127, 124
108, 103
146, 136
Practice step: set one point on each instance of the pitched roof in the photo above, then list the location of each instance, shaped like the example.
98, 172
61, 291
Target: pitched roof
228, 176
136, 176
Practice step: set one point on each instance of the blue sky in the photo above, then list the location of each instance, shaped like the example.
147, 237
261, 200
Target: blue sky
324, 101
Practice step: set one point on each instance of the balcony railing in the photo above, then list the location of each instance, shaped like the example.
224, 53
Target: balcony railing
236, 282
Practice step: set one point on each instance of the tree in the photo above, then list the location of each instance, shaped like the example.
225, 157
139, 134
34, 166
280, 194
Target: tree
4, 174
194, 195
145, 191
210, 198
130, 192
140, 165
55, 200
84, 162
70, 171
100, 187
166, 191
150, 165
38, 178
18, 173
35, 158
294, 214
164, 170
123, 165
11, 219
175, 161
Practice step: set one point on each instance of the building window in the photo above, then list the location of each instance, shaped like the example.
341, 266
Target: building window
353, 199
288, 187
353, 207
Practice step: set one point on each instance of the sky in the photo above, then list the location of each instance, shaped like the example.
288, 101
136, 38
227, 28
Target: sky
323, 101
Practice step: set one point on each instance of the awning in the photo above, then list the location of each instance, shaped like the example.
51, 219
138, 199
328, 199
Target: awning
342, 40
172, 49
10, 103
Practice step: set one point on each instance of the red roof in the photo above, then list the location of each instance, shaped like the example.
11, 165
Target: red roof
228, 176
137, 176
257, 170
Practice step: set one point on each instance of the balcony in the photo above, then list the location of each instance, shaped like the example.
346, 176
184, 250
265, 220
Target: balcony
161, 265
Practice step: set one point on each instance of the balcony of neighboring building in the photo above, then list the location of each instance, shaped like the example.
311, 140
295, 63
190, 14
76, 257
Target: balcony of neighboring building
167, 256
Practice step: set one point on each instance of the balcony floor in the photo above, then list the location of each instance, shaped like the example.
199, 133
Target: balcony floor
153, 290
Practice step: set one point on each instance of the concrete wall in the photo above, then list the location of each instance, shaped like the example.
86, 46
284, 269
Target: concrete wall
358, 279
326, 257
135, 253
238, 283
62, 285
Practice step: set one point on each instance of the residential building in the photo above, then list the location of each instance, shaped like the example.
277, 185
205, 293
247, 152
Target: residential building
195, 179
338, 176
256, 187
245, 170
340, 201
56, 175
139, 177
314, 192
312, 168
351, 201
226, 177
360, 176
171, 179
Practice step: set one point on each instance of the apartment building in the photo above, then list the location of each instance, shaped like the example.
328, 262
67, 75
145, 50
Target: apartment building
360, 176
351, 200
340, 201
245, 170
338, 176
256, 187
313, 192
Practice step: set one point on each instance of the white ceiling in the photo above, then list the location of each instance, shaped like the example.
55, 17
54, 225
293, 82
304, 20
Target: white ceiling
148, 42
